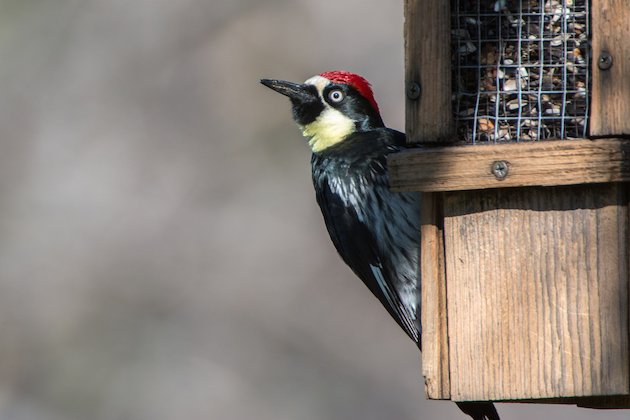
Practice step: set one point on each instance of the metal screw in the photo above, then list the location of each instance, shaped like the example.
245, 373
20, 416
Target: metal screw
605, 61
500, 169
413, 90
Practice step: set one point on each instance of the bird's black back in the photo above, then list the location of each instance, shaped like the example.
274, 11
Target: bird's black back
375, 230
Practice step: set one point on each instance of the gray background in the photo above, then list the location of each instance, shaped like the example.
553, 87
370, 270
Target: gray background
161, 253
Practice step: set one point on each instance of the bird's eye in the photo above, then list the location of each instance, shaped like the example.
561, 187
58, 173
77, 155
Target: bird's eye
336, 95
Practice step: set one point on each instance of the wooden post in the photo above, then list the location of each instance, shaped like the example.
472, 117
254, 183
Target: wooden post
435, 366
429, 120
429, 116
610, 106
610, 100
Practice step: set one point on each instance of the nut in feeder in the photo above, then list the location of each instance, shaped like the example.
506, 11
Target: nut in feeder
527, 71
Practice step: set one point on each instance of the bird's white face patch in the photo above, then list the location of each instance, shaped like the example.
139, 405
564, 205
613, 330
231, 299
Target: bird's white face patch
331, 126
319, 82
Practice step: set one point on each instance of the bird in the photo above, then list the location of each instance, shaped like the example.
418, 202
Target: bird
375, 231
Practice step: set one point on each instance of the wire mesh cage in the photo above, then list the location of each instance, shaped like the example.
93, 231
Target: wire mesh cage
521, 69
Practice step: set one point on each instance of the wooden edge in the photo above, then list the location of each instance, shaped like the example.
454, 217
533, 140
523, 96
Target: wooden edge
543, 163
604, 402
435, 357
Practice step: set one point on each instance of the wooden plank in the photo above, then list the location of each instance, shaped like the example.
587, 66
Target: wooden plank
614, 401
428, 64
537, 292
435, 367
429, 120
610, 91
544, 163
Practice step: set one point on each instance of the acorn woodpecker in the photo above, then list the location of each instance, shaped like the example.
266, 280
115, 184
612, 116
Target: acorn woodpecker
375, 231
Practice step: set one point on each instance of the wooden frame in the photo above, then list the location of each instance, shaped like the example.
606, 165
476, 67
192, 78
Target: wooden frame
524, 255
548, 163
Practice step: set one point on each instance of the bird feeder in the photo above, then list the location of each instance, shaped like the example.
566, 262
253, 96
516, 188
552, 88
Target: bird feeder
522, 109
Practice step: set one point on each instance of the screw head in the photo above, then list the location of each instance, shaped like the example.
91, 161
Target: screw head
499, 169
605, 61
413, 90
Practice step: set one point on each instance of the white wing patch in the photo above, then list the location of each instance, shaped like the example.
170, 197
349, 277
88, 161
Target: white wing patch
378, 275
406, 318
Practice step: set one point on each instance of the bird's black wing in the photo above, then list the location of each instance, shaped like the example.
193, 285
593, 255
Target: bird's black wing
356, 241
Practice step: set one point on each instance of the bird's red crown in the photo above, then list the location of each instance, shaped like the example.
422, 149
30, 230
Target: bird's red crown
354, 80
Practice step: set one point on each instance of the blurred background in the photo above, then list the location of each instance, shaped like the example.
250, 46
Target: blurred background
161, 252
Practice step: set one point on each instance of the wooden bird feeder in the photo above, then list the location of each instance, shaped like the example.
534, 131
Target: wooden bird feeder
523, 111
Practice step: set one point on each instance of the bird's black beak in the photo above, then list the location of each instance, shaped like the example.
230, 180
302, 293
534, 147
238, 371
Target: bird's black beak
295, 91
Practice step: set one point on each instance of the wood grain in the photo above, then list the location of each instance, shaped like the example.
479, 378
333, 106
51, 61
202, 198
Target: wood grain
429, 120
435, 367
544, 163
537, 286
537, 292
428, 62
610, 89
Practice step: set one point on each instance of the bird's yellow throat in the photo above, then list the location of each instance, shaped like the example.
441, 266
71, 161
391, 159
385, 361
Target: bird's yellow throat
330, 128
